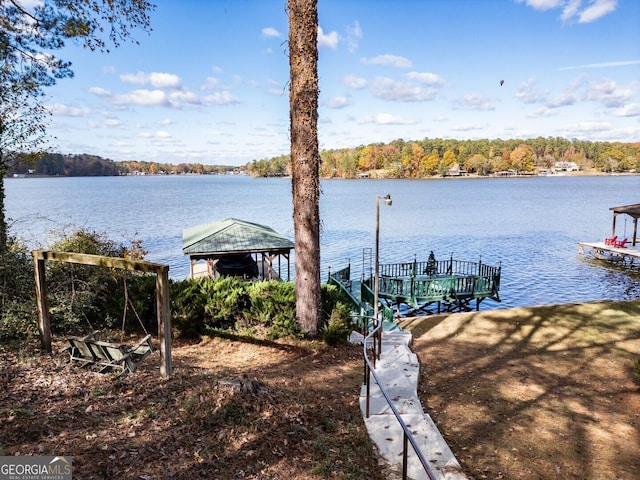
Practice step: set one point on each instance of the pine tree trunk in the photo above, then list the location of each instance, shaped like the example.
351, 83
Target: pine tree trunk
305, 159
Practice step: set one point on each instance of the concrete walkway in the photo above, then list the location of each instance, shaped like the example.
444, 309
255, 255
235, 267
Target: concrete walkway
398, 369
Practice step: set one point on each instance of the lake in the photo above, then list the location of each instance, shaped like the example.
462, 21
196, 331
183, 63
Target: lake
530, 226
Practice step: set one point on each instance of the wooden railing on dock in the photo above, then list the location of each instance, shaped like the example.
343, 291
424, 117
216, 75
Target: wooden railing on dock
452, 282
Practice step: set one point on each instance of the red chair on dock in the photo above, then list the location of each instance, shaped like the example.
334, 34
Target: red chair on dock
611, 241
620, 244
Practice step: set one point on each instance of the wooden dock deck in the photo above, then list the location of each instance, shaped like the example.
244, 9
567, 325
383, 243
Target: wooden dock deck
628, 256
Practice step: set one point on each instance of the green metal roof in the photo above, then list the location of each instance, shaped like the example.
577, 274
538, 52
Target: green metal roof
232, 236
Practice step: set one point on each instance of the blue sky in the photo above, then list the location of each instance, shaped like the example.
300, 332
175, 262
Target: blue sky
210, 83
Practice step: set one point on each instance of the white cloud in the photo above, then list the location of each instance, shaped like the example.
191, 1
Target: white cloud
270, 32
141, 97
220, 98
426, 78
384, 119
388, 60
166, 121
560, 101
99, 91
111, 123
543, 4
589, 127
602, 65
543, 113
155, 79
329, 40
528, 93
631, 110
352, 81
163, 134
466, 127
571, 9
183, 96
211, 83
59, 109
476, 102
354, 35
609, 93
339, 102
599, 8
389, 89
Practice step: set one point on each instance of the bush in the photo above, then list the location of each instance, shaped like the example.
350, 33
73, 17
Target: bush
336, 323
17, 295
337, 330
83, 297
264, 309
273, 306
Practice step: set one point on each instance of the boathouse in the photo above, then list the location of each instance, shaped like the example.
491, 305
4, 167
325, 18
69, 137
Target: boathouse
237, 248
634, 212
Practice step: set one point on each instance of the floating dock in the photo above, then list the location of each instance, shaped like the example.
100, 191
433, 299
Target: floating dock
628, 257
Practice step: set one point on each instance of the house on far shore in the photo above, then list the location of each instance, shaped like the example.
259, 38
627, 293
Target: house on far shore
236, 248
565, 166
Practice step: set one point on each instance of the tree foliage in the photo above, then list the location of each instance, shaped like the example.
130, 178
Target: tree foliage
436, 156
30, 33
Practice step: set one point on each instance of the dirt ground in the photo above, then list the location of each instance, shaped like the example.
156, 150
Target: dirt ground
529, 393
233, 410
536, 393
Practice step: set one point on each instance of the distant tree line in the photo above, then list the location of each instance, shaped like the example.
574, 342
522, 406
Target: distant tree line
85, 165
441, 157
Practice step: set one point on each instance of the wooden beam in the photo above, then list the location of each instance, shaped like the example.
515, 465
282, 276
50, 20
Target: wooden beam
101, 261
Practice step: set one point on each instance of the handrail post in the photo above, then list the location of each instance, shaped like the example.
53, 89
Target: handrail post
368, 383
405, 441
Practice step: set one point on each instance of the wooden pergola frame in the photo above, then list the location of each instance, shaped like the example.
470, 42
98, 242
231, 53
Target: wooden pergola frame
162, 294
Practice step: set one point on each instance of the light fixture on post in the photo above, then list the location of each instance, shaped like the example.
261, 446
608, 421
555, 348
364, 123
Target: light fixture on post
376, 280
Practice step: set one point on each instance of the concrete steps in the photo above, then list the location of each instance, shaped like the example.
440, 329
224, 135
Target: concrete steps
398, 370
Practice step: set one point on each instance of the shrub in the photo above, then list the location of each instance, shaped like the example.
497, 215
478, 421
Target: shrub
264, 308
187, 307
273, 305
227, 300
17, 295
337, 330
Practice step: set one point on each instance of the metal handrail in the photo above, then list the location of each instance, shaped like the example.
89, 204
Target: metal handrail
376, 336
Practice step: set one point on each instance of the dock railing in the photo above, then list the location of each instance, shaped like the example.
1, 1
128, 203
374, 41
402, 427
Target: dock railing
373, 344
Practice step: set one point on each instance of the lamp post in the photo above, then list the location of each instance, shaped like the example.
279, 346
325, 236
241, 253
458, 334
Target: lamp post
376, 280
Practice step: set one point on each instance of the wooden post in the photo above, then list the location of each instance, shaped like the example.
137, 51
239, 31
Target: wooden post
164, 322
44, 325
